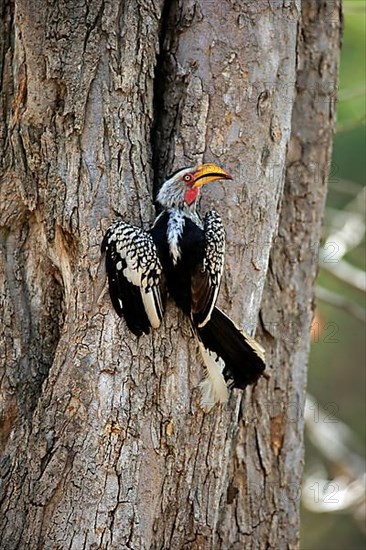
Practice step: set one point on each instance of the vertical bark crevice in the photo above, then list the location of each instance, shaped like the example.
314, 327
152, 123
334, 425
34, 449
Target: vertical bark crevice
165, 110
6, 80
34, 293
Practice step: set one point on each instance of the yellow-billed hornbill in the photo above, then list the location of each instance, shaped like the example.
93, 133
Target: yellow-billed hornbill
185, 255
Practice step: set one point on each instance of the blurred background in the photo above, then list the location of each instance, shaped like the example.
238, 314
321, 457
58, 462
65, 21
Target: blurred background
333, 492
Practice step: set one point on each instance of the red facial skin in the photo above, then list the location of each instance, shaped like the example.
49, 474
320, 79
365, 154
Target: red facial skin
191, 194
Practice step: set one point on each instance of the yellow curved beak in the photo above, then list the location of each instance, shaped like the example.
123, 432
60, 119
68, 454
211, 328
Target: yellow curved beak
205, 173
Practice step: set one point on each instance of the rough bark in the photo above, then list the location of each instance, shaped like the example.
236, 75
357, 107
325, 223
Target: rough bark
104, 444
264, 495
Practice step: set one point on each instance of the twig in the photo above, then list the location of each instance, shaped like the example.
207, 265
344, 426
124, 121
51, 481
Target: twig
334, 299
332, 438
347, 273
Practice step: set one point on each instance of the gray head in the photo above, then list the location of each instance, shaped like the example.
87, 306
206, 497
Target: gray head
182, 189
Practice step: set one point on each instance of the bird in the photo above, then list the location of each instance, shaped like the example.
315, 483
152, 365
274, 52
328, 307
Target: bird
182, 256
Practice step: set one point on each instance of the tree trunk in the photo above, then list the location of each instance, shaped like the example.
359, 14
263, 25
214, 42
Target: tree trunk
104, 444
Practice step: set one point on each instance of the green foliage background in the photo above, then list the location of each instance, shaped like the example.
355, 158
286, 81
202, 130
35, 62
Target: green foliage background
337, 368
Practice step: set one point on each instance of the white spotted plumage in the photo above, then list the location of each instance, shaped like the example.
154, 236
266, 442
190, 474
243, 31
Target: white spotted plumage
214, 256
143, 268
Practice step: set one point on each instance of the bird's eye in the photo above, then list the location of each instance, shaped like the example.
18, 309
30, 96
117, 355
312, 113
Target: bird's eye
187, 177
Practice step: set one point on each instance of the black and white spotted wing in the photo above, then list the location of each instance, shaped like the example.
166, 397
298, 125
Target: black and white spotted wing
134, 276
207, 278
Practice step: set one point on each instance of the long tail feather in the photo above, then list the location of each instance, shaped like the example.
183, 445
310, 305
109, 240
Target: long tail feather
231, 356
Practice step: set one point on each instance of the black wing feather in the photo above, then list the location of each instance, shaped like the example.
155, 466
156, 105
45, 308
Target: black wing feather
205, 282
134, 276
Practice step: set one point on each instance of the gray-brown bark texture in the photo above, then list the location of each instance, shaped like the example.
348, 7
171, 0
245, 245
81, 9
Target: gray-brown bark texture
103, 442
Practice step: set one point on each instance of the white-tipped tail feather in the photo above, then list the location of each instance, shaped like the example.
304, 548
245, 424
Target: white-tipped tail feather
233, 359
213, 386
